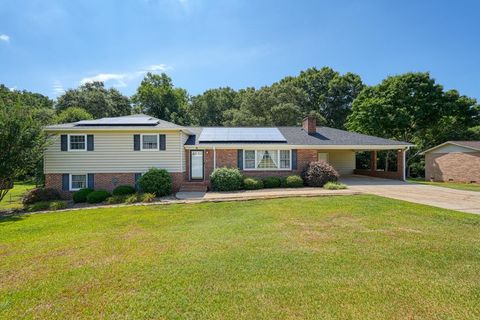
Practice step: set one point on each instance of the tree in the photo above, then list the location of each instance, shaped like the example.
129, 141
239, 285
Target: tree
72, 114
21, 142
157, 97
207, 108
96, 100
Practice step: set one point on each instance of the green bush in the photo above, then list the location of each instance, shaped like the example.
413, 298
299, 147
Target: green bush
80, 196
147, 197
226, 179
157, 181
133, 198
116, 199
57, 205
123, 190
317, 173
252, 184
272, 182
40, 194
46, 205
293, 182
334, 186
98, 196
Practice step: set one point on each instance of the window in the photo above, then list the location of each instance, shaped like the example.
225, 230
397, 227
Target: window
77, 142
78, 181
149, 141
267, 159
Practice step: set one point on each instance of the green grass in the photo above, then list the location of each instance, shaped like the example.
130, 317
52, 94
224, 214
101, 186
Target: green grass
350, 257
451, 185
13, 199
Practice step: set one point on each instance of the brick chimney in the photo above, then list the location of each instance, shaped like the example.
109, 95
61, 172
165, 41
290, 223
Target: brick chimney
309, 125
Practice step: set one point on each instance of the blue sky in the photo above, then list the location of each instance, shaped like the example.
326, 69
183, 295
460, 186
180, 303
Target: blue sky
49, 46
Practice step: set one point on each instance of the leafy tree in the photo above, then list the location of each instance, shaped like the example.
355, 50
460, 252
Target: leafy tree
72, 114
157, 97
96, 100
207, 109
21, 142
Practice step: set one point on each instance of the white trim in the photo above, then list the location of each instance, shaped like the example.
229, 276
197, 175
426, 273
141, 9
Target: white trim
449, 142
76, 135
292, 147
266, 169
150, 134
70, 181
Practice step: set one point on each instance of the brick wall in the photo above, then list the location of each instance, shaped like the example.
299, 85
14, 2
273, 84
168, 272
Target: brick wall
454, 166
396, 175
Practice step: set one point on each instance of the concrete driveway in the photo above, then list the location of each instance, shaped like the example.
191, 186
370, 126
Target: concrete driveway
466, 201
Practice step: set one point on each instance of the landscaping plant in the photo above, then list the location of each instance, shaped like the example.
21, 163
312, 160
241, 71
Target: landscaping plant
40, 194
80, 196
252, 184
123, 190
272, 182
293, 182
98, 196
226, 179
334, 186
157, 181
317, 173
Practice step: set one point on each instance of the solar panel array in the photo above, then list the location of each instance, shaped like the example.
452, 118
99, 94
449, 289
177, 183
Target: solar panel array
241, 134
141, 121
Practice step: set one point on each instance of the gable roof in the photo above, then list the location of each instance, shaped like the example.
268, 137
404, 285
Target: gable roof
474, 145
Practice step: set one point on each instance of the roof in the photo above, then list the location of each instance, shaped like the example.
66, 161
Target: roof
130, 122
297, 136
474, 145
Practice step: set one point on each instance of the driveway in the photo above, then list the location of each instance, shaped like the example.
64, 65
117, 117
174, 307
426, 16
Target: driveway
461, 200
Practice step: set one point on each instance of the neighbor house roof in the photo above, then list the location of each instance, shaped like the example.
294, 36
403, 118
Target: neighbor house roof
474, 145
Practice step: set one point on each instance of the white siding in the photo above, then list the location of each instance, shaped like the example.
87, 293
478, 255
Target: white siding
114, 153
183, 139
342, 161
452, 148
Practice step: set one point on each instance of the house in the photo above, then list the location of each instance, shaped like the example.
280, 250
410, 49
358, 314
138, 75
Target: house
108, 152
457, 161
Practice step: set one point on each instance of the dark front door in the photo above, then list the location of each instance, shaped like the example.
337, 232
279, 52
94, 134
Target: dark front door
196, 165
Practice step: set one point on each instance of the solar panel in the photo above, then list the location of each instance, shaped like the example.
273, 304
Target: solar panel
241, 134
119, 121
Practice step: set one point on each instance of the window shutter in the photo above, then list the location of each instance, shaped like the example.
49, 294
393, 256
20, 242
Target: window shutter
91, 181
294, 160
162, 141
240, 159
137, 177
90, 142
63, 142
136, 142
65, 182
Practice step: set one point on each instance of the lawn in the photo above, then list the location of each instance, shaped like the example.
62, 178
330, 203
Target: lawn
451, 185
13, 199
351, 257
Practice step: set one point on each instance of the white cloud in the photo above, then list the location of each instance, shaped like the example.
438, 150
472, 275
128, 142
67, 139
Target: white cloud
158, 67
4, 37
58, 88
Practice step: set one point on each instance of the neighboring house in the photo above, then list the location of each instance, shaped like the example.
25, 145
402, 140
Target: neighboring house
108, 152
453, 161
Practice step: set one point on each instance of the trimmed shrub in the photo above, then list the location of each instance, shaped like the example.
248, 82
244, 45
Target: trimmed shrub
317, 173
334, 186
272, 182
46, 205
116, 199
98, 196
147, 197
252, 184
226, 179
293, 182
157, 181
41, 194
123, 190
80, 196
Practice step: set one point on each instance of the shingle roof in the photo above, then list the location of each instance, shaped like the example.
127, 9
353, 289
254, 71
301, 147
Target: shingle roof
324, 136
475, 145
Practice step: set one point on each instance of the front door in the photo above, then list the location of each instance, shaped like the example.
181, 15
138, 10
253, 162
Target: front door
196, 164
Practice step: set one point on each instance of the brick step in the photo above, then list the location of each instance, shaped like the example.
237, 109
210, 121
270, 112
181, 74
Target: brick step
194, 187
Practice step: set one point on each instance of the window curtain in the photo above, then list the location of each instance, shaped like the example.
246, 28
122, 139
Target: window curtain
260, 154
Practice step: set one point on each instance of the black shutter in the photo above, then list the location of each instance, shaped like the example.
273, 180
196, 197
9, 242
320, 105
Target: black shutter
136, 142
63, 142
162, 140
91, 181
240, 159
137, 177
90, 142
65, 182
294, 160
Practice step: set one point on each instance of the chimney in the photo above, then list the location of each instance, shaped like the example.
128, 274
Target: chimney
309, 125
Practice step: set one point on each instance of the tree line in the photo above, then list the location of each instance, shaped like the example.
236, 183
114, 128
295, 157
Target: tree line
409, 107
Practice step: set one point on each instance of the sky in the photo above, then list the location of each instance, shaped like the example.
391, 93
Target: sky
50, 46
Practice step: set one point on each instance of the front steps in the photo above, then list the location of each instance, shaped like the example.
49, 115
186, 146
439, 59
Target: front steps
194, 186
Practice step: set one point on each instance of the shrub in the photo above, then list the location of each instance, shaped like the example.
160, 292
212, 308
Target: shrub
318, 173
123, 190
116, 199
272, 182
57, 205
46, 205
80, 196
133, 198
147, 197
41, 194
98, 196
334, 185
293, 182
157, 181
252, 184
226, 179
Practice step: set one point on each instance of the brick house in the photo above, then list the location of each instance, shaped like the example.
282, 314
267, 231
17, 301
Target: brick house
109, 152
457, 161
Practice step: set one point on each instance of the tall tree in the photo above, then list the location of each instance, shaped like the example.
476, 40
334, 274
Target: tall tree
207, 108
96, 100
72, 114
157, 97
